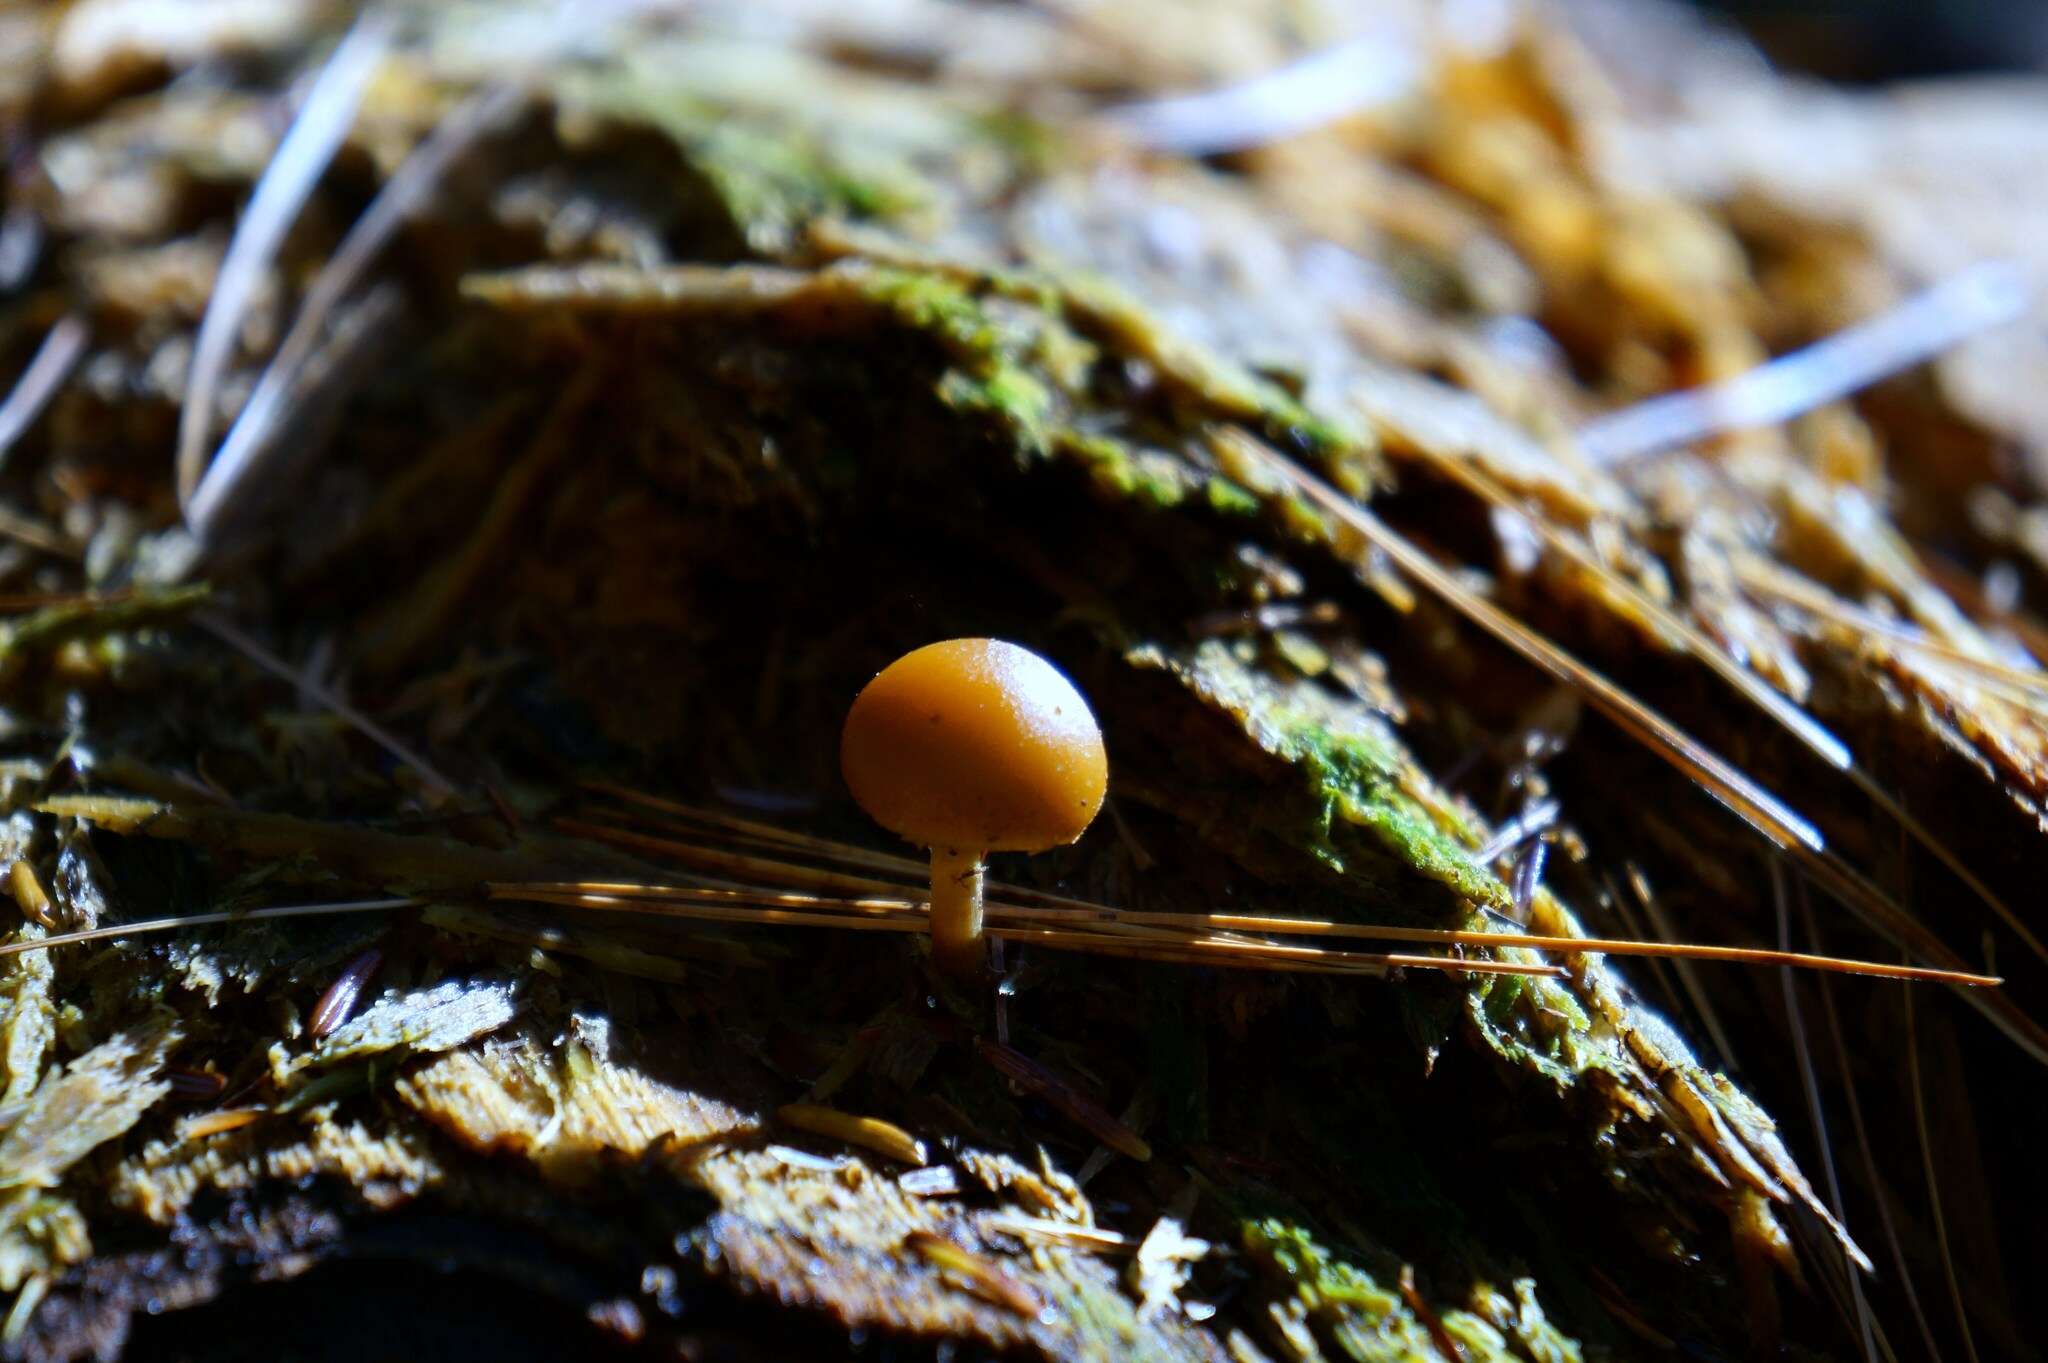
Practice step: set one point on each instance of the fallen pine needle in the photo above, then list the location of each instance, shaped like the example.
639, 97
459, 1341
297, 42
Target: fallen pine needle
871, 1133
1064, 1233
1171, 940
1978, 298
256, 653
249, 441
201, 920
1027, 1073
975, 1273
315, 135
910, 869
1193, 932
1204, 950
1300, 96
1755, 806
1583, 946
2024, 686
217, 1123
46, 372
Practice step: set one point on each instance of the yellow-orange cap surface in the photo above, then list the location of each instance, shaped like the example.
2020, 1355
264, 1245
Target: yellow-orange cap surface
975, 744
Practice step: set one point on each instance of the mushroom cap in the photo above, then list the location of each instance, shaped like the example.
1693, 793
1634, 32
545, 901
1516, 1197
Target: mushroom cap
975, 744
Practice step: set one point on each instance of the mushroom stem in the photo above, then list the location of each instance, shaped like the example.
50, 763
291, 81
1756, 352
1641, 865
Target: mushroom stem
956, 912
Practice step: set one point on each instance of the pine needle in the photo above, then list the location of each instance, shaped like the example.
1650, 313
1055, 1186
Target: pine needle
200, 920
249, 442
1178, 943
256, 653
1948, 1258
1978, 298
1696, 991
1211, 951
1199, 931
1864, 1148
754, 869
780, 873
1757, 807
1584, 946
1299, 97
45, 375
1809, 1083
302, 157
911, 869
1746, 682
1752, 687
2024, 686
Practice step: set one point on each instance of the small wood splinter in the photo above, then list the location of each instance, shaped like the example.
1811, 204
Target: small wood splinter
967, 747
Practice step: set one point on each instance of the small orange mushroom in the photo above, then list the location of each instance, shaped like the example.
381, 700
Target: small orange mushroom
968, 747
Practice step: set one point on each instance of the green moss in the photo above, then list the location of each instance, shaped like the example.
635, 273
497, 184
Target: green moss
1229, 499
1538, 1023
1354, 1314
1303, 520
934, 302
1020, 396
1064, 325
1024, 369
1033, 144
1014, 400
771, 180
1022, 364
1501, 998
1318, 1278
1225, 389
139, 609
1155, 481
1356, 777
